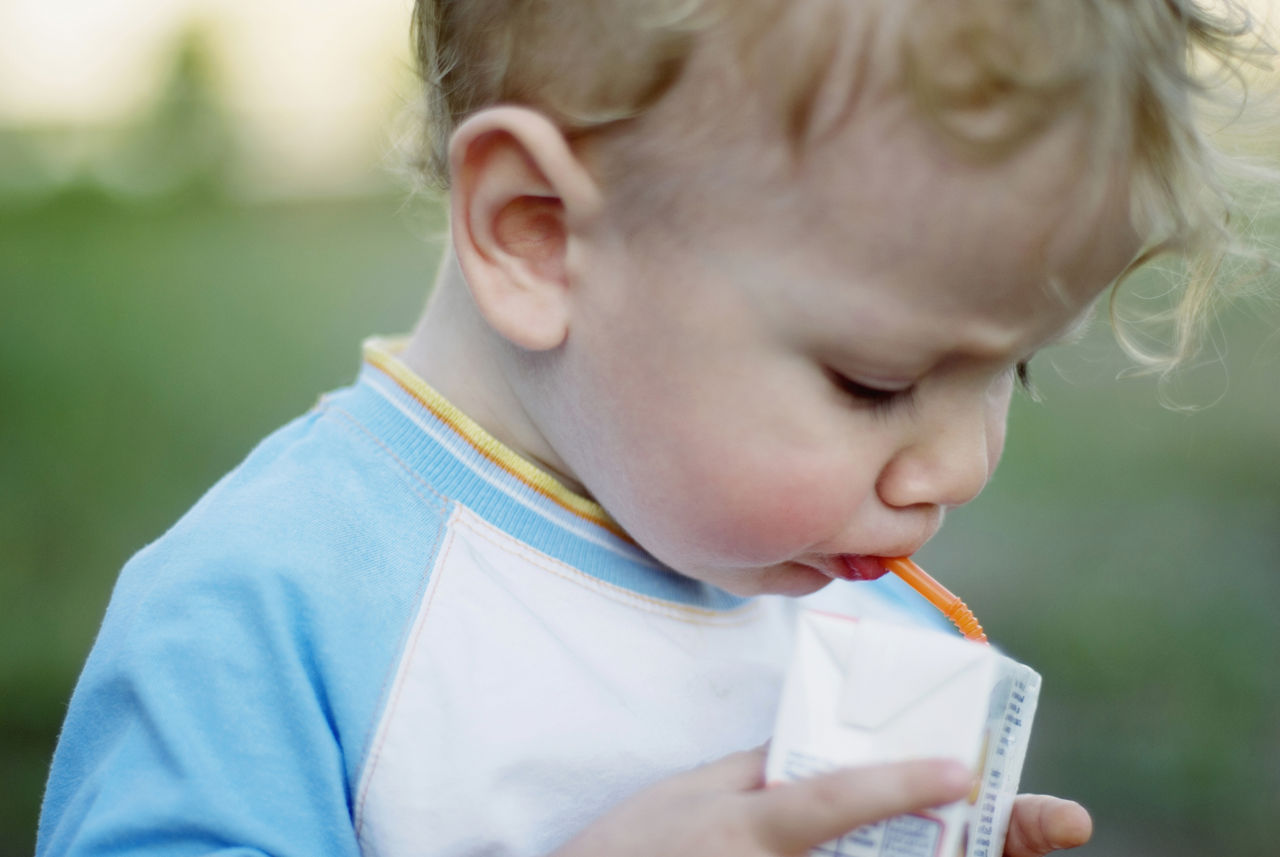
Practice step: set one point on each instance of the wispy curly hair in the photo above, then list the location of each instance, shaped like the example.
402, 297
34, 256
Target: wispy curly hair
1155, 76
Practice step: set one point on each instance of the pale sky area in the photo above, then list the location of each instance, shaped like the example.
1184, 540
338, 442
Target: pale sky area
311, 82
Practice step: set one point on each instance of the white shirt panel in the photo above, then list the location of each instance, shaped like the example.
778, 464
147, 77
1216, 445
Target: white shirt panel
532, 697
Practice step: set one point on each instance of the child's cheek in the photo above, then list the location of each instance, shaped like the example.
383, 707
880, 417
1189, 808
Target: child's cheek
772, 514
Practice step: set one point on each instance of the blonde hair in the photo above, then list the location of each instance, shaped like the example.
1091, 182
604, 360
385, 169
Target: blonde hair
988, 73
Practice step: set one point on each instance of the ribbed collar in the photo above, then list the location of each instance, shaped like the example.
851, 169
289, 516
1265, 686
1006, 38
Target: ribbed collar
465, 463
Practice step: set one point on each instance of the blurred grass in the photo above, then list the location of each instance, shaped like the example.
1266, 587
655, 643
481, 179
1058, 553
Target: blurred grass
1128, 552
144, 350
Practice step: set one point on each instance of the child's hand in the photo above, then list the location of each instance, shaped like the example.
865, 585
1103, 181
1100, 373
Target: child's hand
723, 809
1041, 824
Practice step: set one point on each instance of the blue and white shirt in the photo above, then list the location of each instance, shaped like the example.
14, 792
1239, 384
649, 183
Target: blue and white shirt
387, 634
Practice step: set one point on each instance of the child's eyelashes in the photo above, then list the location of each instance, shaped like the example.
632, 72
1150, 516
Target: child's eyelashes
1023, 373
877, 398
884, 398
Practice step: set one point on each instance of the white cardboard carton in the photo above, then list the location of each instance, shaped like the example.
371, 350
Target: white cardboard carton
860, 692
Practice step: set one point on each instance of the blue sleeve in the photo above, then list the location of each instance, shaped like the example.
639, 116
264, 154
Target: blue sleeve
233, 692
200, 724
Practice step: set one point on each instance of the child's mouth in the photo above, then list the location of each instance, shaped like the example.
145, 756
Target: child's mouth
851, 567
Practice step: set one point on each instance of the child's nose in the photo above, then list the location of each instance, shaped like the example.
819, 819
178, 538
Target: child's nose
945, 463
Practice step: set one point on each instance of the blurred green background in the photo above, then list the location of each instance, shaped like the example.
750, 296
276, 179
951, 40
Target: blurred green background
162, 313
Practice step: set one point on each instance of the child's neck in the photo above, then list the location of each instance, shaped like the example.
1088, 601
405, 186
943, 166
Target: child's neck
455, 351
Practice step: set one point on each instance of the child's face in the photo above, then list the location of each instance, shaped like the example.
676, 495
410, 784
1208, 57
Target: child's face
786, 375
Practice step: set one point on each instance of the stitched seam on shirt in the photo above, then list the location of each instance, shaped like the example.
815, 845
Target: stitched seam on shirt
611, 591
402, 671
360, 430
406, 643
364, 431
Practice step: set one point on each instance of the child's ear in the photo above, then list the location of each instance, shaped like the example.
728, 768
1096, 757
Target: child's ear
517, 192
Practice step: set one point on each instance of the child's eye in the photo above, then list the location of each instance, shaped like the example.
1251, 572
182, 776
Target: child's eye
877, 397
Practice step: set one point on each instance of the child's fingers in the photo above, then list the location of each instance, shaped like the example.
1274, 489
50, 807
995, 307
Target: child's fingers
1041, 824
794, 817
736, 772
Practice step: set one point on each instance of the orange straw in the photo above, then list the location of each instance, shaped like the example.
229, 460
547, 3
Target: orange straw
937, 595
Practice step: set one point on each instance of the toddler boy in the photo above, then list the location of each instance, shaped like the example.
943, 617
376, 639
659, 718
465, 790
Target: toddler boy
736, 298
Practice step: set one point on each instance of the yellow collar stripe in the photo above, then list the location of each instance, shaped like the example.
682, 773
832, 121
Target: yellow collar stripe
381, 354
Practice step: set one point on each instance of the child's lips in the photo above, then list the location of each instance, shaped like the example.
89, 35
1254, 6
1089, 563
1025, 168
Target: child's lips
851, 567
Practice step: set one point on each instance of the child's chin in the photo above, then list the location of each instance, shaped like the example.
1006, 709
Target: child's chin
792, 579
